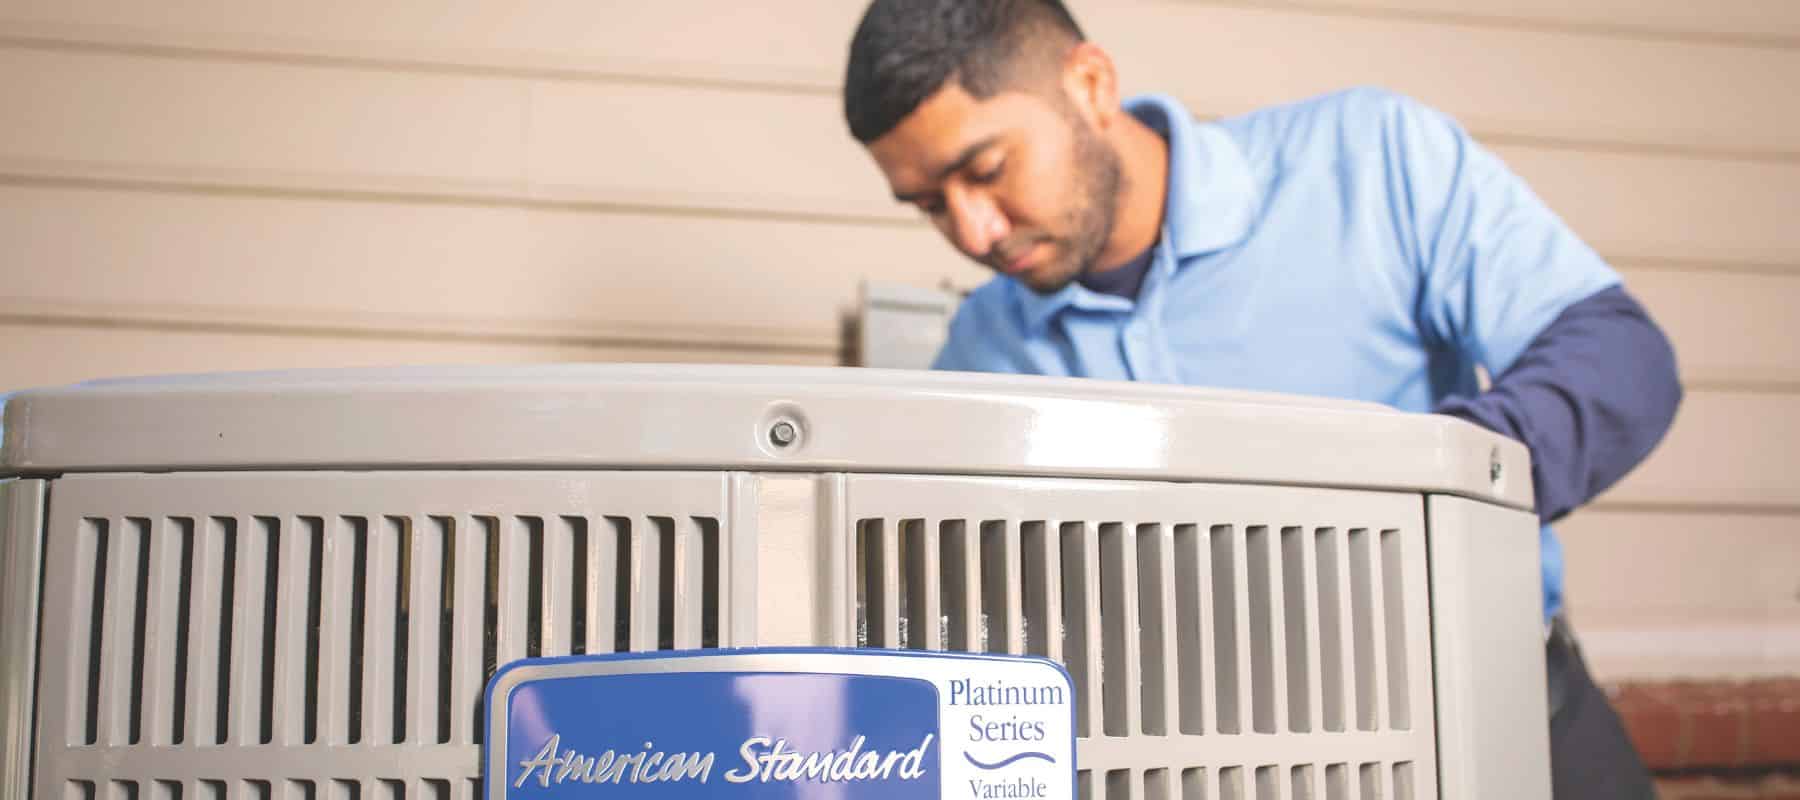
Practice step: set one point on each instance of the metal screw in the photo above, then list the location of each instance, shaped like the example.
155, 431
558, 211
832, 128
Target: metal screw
783, 434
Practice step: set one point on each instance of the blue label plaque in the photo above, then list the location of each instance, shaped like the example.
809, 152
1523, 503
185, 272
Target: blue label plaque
774, 724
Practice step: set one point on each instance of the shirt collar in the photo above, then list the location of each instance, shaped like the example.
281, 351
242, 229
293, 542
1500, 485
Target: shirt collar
1212, 195
1210, 205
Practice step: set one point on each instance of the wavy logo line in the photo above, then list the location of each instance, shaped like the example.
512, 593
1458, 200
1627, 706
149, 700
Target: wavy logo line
1003, 762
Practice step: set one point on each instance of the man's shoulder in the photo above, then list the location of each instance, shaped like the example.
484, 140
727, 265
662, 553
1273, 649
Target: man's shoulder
1354, 103
1342, 116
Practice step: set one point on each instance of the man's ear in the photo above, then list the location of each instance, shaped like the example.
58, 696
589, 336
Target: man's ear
1092, 84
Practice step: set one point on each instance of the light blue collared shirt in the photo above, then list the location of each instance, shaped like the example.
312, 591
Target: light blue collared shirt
1356, 245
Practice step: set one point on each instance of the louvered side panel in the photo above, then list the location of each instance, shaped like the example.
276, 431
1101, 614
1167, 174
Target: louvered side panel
328, 635
1240, 640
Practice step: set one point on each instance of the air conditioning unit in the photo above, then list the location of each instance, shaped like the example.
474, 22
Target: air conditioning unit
294, 585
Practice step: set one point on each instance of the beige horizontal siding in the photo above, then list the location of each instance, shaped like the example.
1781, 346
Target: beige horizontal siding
1728, 450
39, 354
1521, 84
1555, 85
1729, 328
794, 42
1685, 567
1637, 207
1671, 594
529, 32
383, 265
1774, 23
305, 128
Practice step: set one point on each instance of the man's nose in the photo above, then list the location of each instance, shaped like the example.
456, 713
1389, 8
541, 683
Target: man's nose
977, 223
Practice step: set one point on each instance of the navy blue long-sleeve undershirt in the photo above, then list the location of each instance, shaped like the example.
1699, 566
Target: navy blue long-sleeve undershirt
1590, 397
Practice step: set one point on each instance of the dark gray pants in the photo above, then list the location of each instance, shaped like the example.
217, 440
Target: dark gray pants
1591, 757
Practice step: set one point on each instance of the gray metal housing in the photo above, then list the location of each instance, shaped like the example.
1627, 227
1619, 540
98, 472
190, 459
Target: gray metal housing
297, 582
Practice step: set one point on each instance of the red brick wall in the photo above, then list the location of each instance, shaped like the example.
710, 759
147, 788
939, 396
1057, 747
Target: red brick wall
1691, 725
1763, 787
1717, 740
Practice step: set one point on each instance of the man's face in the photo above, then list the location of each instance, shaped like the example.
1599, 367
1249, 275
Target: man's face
1019, 182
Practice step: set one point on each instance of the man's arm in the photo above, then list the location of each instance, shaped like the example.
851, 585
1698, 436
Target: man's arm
1589, 397
1582, 375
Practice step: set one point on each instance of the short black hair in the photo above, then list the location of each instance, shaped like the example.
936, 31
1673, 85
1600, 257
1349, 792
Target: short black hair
905, 50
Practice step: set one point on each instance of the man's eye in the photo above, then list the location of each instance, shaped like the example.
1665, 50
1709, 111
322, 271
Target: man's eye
989, 176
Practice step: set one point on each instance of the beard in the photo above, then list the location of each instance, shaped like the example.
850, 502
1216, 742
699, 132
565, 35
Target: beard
1086, 225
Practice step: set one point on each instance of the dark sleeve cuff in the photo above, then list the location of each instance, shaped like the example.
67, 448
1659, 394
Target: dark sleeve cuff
1590, 397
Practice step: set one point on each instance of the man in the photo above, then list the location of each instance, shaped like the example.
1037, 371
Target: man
1356, 245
